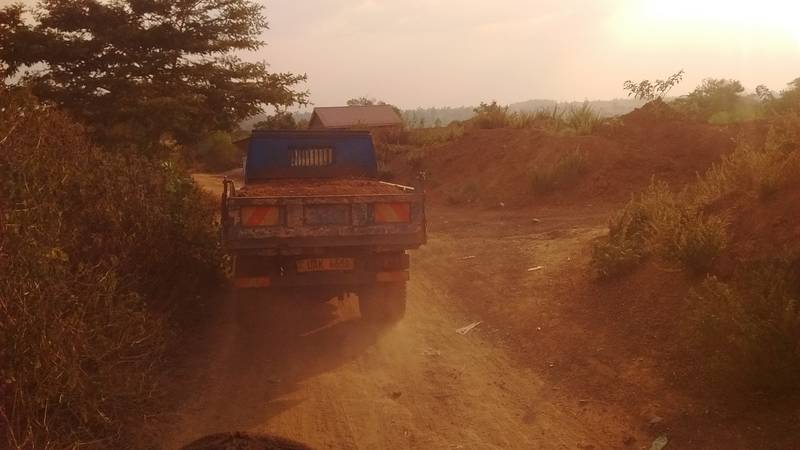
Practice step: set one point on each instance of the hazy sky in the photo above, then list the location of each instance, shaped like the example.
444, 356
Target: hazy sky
460, 52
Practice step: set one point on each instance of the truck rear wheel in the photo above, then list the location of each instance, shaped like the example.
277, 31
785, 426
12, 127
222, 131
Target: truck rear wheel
382, 302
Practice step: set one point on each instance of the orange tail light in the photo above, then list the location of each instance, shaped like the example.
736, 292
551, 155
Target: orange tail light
260, 216
392, 212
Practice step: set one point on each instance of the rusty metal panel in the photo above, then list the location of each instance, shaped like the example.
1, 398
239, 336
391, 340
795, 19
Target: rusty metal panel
330, 214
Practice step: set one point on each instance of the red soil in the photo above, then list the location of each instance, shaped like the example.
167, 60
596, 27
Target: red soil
623, 155
318, 187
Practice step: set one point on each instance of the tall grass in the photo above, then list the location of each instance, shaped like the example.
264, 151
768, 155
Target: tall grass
582, 120
565, 171
95, 250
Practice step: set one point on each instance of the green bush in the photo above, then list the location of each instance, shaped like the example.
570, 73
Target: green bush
751, 171
217, 152
690, 238
566, 171
95, 249
662, 223
748, 331
492, 115
719, 102
626, 243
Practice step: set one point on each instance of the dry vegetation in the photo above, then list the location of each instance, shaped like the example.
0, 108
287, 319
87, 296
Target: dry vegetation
97, 250
744, 323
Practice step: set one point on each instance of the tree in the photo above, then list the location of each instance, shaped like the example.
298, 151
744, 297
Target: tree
491, 115
139, 71
281, 120
363, 101
649, 91
366, 101
713, 96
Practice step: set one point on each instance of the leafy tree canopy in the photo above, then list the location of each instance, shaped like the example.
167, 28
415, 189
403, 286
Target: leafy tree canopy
281, 120
711, 97
649, 91
140, 71
366, 101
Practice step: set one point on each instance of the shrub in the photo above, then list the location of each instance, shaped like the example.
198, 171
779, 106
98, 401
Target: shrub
432, 136
718, 101
582, 120
468, 194
663, 223
492, 115
626, 243
94, 248
748, 332
416, 158
690, 238
218, 153
750, 171
564, 172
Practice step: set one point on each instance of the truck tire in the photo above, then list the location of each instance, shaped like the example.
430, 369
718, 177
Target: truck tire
382, 302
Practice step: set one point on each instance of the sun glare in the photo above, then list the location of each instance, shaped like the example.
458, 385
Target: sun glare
779, 16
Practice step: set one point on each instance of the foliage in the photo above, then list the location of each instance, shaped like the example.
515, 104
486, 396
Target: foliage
367, 101
431, 136
716, 100
469, 194
140, 71
492, 115
749, 171
748, 330
649, 91
783, 111
218, 153
742, 326
435, 117
95, 249
281, 120
582, 120
663, 223
566, 170
626, 243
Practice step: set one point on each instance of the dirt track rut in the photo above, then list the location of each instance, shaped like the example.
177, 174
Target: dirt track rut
319, 375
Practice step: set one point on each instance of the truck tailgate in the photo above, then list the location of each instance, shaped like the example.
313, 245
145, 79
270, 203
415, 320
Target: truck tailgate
322, 213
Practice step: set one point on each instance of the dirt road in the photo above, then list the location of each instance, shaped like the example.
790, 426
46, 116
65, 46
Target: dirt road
317, 374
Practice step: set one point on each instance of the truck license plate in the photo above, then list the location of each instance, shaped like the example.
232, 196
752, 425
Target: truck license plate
325, 264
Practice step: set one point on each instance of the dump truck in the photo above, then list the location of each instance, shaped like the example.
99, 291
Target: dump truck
313, 221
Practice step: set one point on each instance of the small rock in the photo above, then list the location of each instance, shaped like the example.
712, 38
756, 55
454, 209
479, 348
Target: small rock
395, 395
659, 443
655, 420
535, 220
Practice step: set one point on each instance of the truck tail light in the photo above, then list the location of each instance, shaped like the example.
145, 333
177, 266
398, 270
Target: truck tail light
392, 212
260, 216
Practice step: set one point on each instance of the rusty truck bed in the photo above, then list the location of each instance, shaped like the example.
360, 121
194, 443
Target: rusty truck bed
311, 213
319, 187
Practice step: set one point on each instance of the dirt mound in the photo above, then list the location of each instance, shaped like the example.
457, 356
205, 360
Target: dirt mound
620, 158
319, 187
652, 113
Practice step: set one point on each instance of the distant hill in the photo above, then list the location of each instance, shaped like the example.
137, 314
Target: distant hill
430, 117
